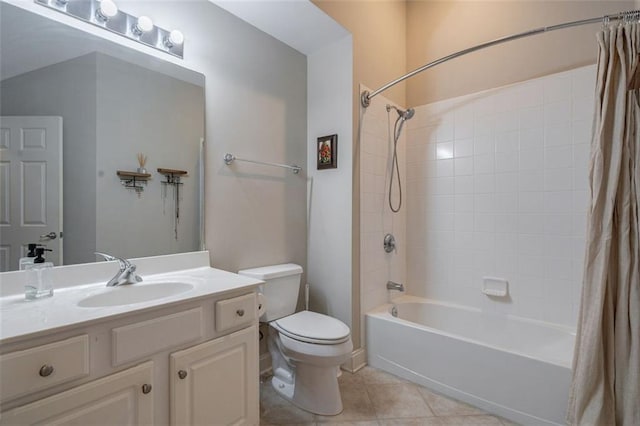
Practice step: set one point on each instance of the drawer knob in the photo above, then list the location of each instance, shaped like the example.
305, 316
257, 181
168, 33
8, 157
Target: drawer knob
46, 370
182, 374
146, 388
240, 312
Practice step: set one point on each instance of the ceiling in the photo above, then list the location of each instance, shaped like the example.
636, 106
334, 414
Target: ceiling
297, 23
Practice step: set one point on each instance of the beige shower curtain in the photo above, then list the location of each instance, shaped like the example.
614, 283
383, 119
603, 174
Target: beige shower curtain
606, 376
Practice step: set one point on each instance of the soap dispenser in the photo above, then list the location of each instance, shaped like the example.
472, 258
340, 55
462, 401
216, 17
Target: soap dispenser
39, 279
31, 254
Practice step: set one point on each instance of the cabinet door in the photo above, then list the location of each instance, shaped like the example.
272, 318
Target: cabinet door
216, 383
118, 399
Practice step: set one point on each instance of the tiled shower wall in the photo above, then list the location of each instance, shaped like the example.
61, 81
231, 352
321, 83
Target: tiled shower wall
376, 218
496, 186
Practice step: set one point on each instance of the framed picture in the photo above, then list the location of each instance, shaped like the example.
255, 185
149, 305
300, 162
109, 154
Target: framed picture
328, 152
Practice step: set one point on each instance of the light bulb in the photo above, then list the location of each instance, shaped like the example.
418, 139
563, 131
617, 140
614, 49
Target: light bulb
175, 38
107, 9
144, 25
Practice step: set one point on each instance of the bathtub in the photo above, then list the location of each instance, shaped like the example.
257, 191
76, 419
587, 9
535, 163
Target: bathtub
516, 368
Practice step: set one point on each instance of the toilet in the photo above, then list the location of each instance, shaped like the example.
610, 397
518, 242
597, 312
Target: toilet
306, 348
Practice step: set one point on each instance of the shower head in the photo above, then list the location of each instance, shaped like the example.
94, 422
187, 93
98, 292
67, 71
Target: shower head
408, 114
405, 115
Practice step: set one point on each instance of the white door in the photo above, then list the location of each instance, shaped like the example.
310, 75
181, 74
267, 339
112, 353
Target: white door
216, 382
124, 398
30, 187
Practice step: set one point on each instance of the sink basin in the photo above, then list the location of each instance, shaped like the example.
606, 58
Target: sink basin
134, 293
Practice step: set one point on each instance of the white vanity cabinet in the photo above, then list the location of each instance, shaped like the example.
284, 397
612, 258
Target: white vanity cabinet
187, 363
123, 398
215, 380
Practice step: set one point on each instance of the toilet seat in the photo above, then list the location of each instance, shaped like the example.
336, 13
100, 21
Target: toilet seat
312, 327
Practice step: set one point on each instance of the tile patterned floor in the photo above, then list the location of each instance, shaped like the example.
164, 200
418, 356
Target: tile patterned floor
374, 398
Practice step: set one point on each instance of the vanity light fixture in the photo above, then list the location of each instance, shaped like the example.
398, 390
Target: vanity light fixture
106, 10
105, 14
175, 38
144, 25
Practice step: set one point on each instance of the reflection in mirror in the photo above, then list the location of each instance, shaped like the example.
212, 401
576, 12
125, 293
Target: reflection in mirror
76, 109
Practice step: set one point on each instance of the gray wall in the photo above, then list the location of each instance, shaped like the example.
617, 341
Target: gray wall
255, 108
142, 111
66, 89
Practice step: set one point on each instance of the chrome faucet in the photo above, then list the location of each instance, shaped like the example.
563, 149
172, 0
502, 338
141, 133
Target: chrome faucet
125, 275
395, 286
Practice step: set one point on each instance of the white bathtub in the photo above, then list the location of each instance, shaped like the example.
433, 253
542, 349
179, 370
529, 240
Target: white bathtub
512, 367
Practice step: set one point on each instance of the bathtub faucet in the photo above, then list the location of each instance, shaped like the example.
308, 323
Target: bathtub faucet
395, 286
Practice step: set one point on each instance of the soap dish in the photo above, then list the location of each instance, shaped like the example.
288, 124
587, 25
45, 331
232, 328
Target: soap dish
495, 287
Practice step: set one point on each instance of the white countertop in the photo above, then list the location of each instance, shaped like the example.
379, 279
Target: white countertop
20, 318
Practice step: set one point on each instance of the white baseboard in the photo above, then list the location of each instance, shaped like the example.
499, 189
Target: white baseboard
357, 360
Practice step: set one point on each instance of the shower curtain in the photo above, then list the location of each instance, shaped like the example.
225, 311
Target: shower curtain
605, 389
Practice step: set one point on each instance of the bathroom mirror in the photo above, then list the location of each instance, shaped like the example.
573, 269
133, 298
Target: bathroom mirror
107, 105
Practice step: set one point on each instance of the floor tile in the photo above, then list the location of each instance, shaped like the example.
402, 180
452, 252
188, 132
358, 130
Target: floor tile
397, 401
371, 376
347, 378
422, 421
356, 405
444, 421
484, 420
372, 394
444, 406
277, 411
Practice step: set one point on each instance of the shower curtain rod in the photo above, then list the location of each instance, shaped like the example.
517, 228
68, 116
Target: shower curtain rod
365, 97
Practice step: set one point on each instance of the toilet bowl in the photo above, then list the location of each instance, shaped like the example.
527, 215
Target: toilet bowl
306, 348
306, 359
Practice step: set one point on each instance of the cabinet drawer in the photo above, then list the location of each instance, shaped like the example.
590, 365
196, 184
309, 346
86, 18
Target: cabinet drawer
145, 338
234, 312
43, 366
124, 398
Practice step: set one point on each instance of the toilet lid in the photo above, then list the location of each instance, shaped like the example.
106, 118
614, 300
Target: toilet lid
312, 327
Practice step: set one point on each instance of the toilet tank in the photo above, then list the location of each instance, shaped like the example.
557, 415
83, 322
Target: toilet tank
282, 283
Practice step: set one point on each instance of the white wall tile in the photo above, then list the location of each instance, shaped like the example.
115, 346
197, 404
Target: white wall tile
444, 150
558, 179
506, 202
531, 118
444, 168
506, 223
558, 202
464, 203
504, 191
558, 156
531, 180
530, 94
463, 166
484, 163
557, 134
558, 112
484, 183
532, 138
506, 182
532, 159
463, 147
463, 184
507, 141
557, 88
583, 109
